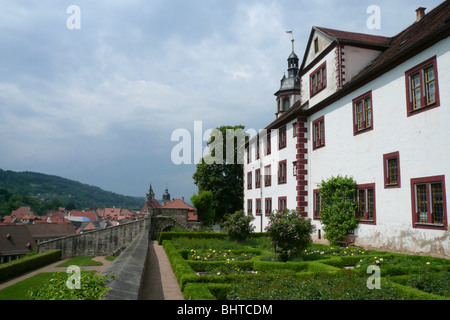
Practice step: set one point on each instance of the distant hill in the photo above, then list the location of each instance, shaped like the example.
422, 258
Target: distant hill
47, 187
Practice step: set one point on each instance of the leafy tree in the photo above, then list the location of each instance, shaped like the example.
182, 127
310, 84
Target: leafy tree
221, 171
290, 233
338, 207
203, 201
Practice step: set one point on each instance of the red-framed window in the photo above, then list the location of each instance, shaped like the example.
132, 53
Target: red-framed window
294, 168
362, 113
422, 87
247, 150
257, 147
294, 129
249, 180
282, 138
257, 178
267, 176
282, 172
318, 133
268, 206
365, 197
249, 206
317, 204
391, 167
318, 79
258, 207
429, 207
282, 203
268, 143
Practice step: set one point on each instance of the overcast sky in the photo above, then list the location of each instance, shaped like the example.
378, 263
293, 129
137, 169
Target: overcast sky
99, 104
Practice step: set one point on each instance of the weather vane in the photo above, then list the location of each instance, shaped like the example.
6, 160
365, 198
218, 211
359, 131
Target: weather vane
292, 37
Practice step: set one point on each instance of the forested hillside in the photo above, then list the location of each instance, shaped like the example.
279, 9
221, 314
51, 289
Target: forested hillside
46, 189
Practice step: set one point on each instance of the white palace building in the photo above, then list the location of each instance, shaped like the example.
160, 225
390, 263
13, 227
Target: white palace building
373, 108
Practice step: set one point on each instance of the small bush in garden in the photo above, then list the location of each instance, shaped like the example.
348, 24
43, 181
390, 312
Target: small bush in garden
290, 233
239, 225
93, 287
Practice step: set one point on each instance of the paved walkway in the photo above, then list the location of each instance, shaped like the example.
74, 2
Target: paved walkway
158, 280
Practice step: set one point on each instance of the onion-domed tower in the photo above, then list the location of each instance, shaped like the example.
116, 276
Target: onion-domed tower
289, 91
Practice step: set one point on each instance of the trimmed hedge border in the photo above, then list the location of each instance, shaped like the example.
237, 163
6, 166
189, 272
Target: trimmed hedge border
201, 235
18, 267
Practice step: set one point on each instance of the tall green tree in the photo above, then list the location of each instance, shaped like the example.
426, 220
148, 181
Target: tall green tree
203, 201
221, 171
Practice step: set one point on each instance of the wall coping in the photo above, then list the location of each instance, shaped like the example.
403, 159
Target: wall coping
127, 269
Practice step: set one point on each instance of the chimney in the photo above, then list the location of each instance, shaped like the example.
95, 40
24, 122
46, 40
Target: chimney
420, 12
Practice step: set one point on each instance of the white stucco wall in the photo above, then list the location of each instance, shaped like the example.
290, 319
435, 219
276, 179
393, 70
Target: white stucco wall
276, 190
356, 59
422, 141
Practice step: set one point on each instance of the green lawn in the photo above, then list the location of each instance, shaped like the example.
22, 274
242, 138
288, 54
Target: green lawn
81, 261
19, 291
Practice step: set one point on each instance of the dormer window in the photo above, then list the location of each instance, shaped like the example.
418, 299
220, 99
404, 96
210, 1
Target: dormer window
316, 45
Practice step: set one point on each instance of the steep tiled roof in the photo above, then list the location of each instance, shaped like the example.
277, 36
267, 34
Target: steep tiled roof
435, 22
355, 37
16, 243
180, 204
91, 215
50, 230
153, 204
22, 211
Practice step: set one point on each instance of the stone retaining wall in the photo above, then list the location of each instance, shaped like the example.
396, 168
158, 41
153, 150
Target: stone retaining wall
102, 242
127, 270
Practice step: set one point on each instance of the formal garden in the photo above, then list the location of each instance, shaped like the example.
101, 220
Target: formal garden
239, 264
284, 264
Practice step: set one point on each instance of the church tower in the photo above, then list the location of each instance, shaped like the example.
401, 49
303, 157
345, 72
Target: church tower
289, 91
166, 197
150, 195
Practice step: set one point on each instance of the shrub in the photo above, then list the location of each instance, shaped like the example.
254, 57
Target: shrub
290, 233
239, 225
338, 207
431, 282
93, 287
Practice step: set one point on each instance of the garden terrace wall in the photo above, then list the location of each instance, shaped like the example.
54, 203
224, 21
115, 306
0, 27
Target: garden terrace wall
127, 270
104, 242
